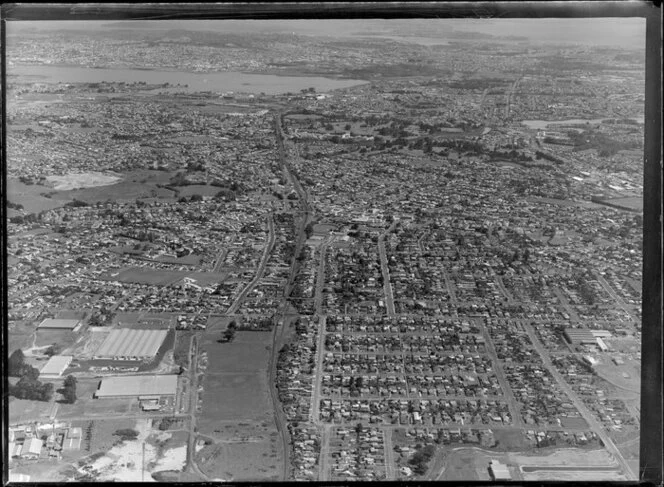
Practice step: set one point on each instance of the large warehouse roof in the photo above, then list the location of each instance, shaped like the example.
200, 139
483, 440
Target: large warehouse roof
138, 385
59, 323
131, 343
56, 365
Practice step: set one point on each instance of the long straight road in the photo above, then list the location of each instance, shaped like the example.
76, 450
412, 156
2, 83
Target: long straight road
580, 406
193, 403
232, 309
387, 285
389, 455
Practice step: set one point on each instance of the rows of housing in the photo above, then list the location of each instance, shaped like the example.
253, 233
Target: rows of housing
476, 274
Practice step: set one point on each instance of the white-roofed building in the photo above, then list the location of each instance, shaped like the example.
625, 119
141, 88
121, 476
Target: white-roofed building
131, 344
499, 471
138, 386
32, 448
55, 366
60, 324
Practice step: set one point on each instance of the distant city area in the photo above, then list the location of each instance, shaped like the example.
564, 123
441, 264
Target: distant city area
398, 252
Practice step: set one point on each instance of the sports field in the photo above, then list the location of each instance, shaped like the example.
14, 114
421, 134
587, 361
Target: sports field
164, 277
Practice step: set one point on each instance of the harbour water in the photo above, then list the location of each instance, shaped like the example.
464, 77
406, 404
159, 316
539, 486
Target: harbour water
228, 81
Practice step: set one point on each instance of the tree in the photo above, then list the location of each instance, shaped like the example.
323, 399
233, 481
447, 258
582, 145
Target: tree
126, 434
16, 363
69, 390
229, 334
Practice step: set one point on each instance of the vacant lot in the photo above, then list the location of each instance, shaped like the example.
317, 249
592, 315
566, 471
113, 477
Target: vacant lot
62, 338
511, 439
626, 376
82, 180
238, 415
253, 461
22, 411
463, 464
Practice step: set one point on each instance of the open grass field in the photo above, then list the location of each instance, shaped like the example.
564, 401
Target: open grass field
30, 196
19, 335
626, 377
241, 462
202, 189
217, 324
124, 191
632, 203
161, 277
510, 440
237, 413
62, 338
23, 411
463, 464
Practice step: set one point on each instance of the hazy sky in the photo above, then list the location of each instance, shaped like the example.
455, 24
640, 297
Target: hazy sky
628, 32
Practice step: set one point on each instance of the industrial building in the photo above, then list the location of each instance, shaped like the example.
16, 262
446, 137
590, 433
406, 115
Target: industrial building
131, 344
32, 448
55, 366
581, 336
138, 386
499, 471
60, 324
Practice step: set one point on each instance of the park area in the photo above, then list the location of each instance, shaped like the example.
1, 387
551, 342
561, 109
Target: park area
237, 420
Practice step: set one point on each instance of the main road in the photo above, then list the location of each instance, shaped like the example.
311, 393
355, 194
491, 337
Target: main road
387, 285
232, 309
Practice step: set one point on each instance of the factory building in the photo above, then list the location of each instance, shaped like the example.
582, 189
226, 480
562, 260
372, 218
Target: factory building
55, 366
131, 344
138, 386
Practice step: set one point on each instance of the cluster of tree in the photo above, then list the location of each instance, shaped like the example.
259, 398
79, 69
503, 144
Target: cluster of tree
421, 457
103, 318
31, 218
141, 235
547, 157
14, 206
606, 145
226, 194
180, 179
68, 390
54, 349
28, 386
585, 289
125, 137
356, 383
191, 199
76, 203
512, 155
229, 333
309, 229
126, 434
